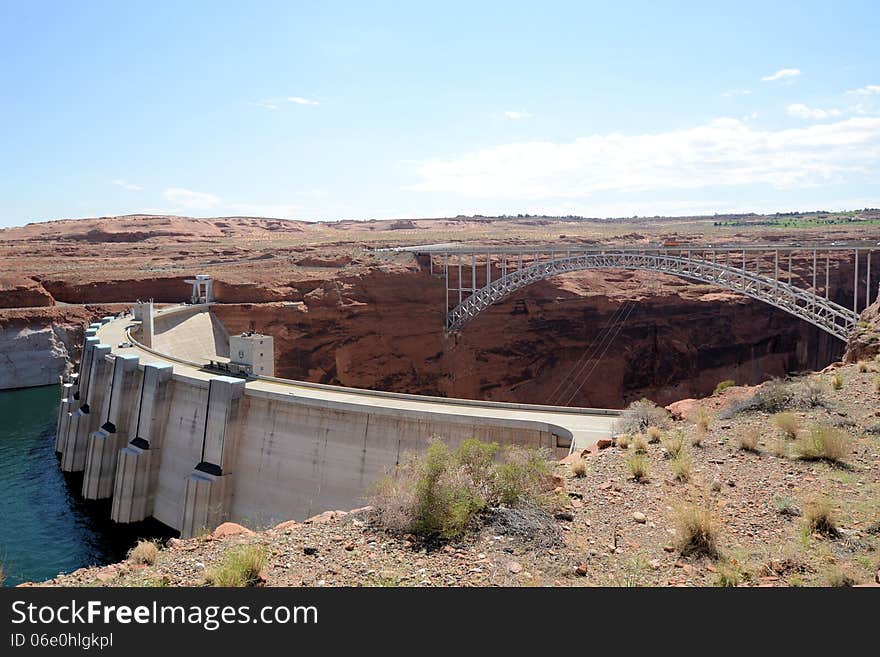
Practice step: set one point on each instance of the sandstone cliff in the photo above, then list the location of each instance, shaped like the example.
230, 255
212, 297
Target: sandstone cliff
864, 343
38, 345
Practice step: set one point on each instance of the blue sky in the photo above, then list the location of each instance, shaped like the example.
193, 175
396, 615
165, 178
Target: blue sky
373, 110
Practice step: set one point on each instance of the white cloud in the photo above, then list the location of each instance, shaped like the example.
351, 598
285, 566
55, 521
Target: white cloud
190, 199
265, 104
299, 100
119, 182
781, 74
801, 111
724, 152
730, 93
516, 115
869, 90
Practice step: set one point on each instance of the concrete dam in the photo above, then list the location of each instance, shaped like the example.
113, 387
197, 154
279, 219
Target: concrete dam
162, 421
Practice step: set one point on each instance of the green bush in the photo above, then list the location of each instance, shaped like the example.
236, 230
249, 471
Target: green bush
440, 493
724, 385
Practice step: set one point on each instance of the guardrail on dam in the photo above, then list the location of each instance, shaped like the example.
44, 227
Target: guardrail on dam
166, 437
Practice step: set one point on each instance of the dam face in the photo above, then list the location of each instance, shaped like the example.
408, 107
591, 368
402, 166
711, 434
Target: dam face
166, 437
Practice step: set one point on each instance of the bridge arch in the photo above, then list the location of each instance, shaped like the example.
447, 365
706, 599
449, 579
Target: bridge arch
804, 304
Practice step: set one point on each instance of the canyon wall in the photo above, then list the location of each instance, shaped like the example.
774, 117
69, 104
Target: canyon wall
37, 345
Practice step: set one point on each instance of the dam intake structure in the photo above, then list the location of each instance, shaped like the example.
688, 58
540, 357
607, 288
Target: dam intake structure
166, 422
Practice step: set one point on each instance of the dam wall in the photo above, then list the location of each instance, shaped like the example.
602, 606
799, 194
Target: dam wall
193, 449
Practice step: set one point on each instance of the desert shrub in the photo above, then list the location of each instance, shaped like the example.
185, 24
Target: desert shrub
640, 415
673, 443
776, 396
862, 366
785, 506
810, 393
145, 552
520, 476
748, 441
819, 517
579, 467
623, 441
837, 382
681, 466
698, 437
823, 444
788, 423
724, 385
439, 493
639, 467
697, 530
241, 566
837, 577
654, 434
639, 444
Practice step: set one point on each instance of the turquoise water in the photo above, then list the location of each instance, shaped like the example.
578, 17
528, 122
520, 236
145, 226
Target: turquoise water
45, 526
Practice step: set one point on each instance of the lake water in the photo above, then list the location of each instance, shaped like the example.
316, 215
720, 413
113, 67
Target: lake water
45, 525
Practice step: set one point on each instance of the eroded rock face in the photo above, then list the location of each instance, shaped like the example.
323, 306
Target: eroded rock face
864, 343
32, 356
23, 292
40, 344
586, 339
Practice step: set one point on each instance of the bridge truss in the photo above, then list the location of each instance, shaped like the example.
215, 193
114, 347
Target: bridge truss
825, 285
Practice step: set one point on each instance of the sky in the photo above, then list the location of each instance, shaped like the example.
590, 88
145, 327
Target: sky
360, 110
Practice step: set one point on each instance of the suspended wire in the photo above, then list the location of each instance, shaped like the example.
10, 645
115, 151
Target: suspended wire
598, 345
603, 333
632, 306
594, 346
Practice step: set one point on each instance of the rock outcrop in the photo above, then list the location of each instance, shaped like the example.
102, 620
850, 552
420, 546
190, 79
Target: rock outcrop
864, 343
38, 345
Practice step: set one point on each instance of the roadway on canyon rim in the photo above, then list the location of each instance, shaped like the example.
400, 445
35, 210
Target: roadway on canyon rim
585, 425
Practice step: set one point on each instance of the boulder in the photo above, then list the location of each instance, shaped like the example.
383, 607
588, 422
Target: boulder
230, 529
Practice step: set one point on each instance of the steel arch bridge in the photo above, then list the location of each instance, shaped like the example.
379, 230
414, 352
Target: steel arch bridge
765, 273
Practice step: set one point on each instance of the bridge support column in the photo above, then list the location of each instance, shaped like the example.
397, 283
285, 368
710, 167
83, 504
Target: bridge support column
137, 464
87, 418
206, 499
105, 443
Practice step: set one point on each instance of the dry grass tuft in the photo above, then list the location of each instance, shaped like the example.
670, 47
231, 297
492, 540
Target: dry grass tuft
862, 366
579, 467
697, 530
654, 434
819, 518
681, 466
673, 443
145, 552
703, 419
639, 467
823, 444
875, 383
837, 382
241, 567
639, 444
748, 442
788, 423
623, 441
